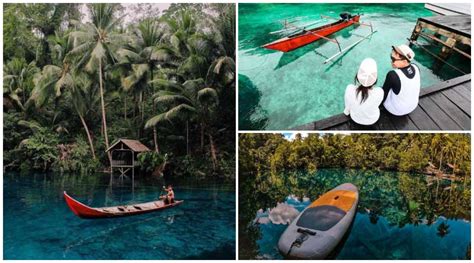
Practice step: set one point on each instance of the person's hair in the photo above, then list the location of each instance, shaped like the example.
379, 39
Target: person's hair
363, 89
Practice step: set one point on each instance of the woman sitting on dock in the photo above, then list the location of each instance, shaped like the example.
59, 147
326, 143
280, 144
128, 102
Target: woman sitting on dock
362, 102
402, 85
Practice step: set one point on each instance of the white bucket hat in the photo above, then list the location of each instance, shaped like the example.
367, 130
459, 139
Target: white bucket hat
367, 74
405, 51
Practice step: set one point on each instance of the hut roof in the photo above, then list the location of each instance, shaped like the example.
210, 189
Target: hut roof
134, 145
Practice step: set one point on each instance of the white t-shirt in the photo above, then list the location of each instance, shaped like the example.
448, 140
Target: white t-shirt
366, 113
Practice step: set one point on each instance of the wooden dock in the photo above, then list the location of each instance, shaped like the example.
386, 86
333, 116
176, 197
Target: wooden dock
449, 9
453, 32
443, 106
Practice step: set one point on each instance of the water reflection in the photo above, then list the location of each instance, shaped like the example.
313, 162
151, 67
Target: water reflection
400, 215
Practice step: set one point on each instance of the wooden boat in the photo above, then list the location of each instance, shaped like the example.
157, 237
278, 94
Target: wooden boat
309, 36
321, 226
84, 211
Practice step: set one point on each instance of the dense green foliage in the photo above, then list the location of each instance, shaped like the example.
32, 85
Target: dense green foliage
400, 152
81, 76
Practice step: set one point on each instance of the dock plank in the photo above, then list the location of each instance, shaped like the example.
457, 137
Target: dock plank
461, 118
464, 91
459, 24
422, 120
342, 127
403, 123
436, 114
384, 122
459, 100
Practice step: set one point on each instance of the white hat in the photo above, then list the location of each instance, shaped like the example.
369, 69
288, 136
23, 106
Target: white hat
405, 51
367, 74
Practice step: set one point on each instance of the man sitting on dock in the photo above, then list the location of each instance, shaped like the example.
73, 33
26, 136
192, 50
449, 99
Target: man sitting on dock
402, 85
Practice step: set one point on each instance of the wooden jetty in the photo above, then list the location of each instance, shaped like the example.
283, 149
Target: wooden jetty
448, 9
452, 32
443, 106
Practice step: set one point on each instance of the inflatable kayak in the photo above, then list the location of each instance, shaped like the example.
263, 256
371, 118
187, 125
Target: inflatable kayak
320, 227
84, 211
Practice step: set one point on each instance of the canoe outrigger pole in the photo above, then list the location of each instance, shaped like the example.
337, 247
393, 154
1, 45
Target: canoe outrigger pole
299, 36
372, 31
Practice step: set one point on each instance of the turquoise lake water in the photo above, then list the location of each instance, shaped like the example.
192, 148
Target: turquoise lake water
399, 215
279, 91
39, 225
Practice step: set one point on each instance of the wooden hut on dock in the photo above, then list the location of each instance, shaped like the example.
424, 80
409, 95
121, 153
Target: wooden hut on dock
124, 154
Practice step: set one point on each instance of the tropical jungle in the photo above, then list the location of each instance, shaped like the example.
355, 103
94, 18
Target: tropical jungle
414, 191
77, 77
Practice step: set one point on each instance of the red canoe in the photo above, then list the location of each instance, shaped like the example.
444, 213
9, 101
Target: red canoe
309, 36
84, 211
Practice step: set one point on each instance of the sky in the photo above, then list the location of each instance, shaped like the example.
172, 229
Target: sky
290, 136
130, 15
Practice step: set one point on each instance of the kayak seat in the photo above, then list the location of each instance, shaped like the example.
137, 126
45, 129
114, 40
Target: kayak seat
320, 218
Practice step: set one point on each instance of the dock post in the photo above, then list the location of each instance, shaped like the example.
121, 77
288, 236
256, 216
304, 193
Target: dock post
416, 32
447, 49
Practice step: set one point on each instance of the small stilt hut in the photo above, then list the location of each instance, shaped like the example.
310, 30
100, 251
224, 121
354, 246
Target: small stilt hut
124, 154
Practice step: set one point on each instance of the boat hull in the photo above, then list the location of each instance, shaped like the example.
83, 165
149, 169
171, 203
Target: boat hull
302, 39
321, 226
83, 211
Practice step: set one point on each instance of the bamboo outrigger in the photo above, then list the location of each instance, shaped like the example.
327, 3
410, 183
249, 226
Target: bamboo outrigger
299, 36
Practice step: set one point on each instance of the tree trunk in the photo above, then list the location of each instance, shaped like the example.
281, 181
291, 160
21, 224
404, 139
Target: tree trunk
155, 133
89, 138
102, 105
202, 137
440, 162
125, 108
155, 140
187, 137
213, 152
140, 111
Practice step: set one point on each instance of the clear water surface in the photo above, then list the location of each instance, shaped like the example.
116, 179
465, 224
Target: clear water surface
400, 215
39, 225
283, 90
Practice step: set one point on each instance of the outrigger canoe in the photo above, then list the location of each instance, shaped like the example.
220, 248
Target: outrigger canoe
316, 232
84, 211
309, 36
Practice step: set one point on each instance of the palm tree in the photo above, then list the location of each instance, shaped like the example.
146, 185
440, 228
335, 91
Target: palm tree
224, 65
56, 78
94, 44
17, 80
140, 57
189, 46
188, 101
